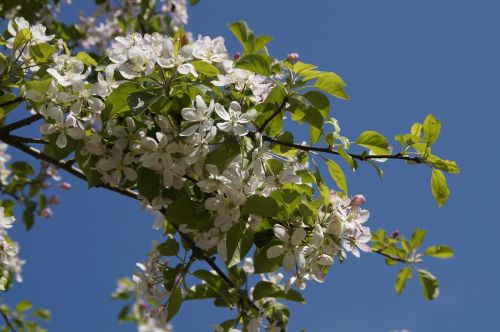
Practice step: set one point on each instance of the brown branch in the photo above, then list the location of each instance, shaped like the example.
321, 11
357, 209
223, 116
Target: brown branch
19, 124
381, 252
278, 111
7, 321
331, 151
63, 164
13, 101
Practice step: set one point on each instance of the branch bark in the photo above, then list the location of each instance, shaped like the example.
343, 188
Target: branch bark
308, 148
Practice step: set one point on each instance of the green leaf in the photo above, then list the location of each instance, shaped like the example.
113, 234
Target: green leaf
352, 163
41, 53
140, 101
260, 206
29, 215
24, 305
256, 63
440, 251
148, 183
261, 42
86, 59
403, 276
429, 284
205, 68
439, 187
448, 166
22, 37
374, 141
262, 264
185, 211
168, 248
319, 101
431, 128
239, 240
5, 98
417, 238
42, 314
174, 303
337, 175
333, 84
223, 155
117, 101
244, 35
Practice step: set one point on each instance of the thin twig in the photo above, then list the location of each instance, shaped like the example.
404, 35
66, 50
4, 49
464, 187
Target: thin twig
7, 321
13, 101
278, 111
381, 252
19, 124
330, 151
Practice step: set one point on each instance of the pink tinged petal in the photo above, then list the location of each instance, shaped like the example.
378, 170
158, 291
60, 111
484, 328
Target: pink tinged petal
130, 174
355, 252
298, 236
76, 108
186, 51
288, 261
222, 250
325, 260
116, 178
363, 216
47, 129
76, 133
61, 141
189, 131
275, 251
225, 126
235, 107
239, 130
221, 112
363, 247
248, 116
212, 169
60, 79
318, 236
106, 164
280, 232
189, 114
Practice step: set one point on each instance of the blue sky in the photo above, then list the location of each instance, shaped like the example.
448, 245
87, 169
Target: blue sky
401, 60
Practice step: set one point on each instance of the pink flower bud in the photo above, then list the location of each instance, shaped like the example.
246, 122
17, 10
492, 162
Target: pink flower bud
65, 186
395, 234
293, 57
186, 38
236, 56
358, 200
46, 213
54, 200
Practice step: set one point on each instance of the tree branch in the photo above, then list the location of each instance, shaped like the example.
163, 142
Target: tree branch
330, 151
7, 321
63, 164
19, 124
381, 252
278, 111
13, 101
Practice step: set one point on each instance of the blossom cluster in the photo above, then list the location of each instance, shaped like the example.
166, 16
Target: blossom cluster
110, 20
177, 147
145, 289
10, 263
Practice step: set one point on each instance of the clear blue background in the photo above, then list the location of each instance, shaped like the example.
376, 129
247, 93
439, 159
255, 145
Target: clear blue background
401, 59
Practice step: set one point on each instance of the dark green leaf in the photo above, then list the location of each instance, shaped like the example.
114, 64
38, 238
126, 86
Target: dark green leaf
256, 63
260, 206
174, 303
